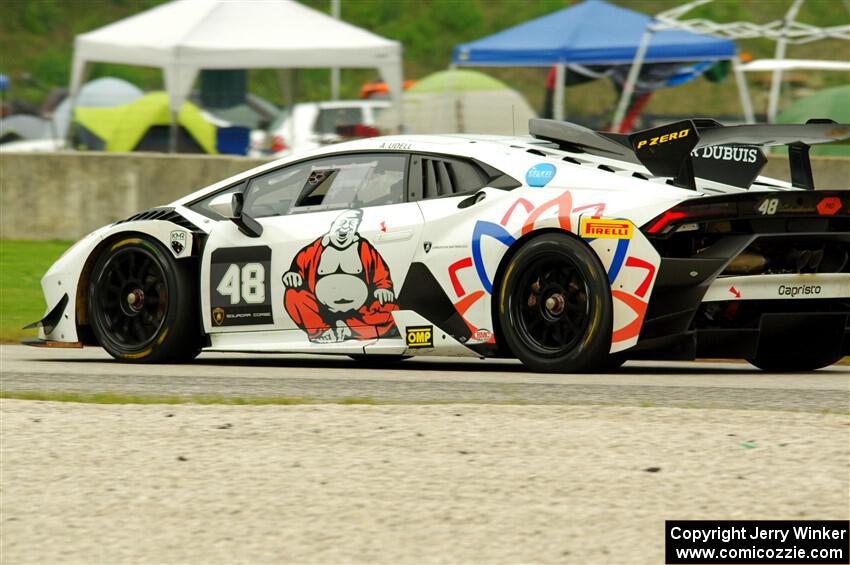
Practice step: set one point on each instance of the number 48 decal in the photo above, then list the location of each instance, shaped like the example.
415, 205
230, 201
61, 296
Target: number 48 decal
247, 283
768, 206
240, 293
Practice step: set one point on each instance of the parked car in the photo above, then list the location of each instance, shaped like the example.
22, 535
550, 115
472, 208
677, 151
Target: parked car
319, 123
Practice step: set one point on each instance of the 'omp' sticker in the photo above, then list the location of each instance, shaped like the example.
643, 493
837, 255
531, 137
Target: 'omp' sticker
611, 229
539, 175
420, 336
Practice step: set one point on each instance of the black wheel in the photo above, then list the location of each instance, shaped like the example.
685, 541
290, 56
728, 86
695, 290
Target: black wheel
781, 362
555, 306
143, 305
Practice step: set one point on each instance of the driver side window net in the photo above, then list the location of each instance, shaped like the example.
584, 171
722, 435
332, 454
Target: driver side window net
330, 183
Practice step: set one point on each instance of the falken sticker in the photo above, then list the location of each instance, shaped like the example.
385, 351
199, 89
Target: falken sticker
240, 293
539, 175
419, 336
339, 287
606, 229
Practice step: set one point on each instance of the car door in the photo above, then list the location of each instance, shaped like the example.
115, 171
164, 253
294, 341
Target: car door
337, 240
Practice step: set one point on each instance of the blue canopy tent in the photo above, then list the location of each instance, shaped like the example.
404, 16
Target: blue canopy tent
593, 33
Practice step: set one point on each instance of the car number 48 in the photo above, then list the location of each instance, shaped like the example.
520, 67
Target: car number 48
768, 206
251, 289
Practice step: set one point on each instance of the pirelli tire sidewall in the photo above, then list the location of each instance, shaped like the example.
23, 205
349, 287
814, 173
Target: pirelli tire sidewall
179, 338
591, 353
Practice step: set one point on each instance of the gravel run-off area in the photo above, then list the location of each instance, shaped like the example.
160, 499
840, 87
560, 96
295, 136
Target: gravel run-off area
85, 483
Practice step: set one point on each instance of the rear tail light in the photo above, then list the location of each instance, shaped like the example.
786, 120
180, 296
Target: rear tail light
665, 220
690, 213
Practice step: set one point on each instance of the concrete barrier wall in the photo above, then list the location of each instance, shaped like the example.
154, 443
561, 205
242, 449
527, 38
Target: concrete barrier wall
67, 195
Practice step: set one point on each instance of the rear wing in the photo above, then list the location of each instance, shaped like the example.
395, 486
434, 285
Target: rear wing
700, 148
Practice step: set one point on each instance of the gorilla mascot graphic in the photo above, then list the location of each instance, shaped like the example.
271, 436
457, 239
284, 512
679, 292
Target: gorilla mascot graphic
339, 287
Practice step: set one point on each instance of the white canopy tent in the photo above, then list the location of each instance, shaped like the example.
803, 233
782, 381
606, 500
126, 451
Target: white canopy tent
795, 65
184, 36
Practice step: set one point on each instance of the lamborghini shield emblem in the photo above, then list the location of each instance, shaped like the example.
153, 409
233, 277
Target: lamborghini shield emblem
218, 316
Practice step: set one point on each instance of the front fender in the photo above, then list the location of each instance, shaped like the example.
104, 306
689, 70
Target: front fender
69, 274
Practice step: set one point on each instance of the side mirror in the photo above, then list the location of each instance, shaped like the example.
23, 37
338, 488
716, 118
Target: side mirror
236, 203
230, 206
224, 204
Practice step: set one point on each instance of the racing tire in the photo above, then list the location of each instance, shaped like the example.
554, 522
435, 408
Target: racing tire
143, 304
776, 362
555, 306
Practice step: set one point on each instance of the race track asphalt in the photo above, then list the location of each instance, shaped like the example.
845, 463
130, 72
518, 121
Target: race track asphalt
426, 380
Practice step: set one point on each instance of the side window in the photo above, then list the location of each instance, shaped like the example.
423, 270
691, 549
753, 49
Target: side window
330, 183
447, 177
437, 176
275, 192
203, 206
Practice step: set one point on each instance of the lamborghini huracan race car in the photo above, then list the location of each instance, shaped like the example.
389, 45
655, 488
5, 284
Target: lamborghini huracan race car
572, 250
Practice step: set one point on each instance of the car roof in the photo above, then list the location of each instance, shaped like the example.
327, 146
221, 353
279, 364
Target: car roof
481, 146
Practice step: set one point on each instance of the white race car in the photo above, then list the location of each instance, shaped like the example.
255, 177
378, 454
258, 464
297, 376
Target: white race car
572, 250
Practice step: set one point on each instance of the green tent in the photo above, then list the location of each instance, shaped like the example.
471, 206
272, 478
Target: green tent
832, 103
461, 101
456, 80
143, 125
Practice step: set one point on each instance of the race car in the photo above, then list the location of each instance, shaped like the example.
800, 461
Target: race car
569, 249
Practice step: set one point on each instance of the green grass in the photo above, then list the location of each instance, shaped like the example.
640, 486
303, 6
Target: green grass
22, 264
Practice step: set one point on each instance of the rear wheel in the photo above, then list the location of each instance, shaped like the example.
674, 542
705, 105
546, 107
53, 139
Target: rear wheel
781, 362
143, 305
555, 306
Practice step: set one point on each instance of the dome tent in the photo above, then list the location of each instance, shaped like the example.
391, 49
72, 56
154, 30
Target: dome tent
143, 125
104, 92
832, 103
101, 93
461, 101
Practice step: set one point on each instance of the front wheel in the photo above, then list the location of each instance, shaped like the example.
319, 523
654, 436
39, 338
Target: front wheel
555, 306
143, 304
